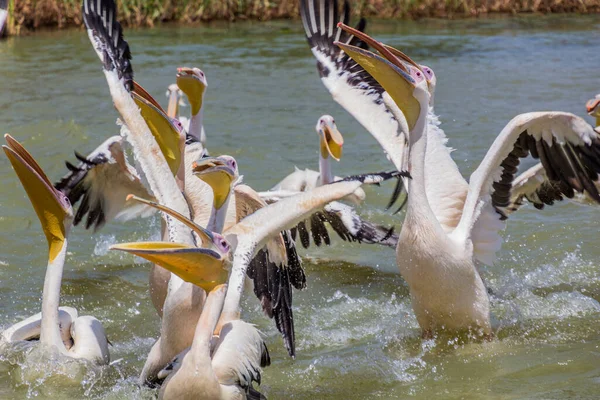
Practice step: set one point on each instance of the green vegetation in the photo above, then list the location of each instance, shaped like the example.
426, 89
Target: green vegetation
26, 15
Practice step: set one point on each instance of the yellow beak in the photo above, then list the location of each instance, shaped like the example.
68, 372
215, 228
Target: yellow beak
390, 72
51, 206
162, 129
202, 267
191, 85
331, 142
218, 175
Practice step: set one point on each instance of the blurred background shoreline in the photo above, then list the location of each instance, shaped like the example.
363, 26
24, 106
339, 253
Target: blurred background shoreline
27, 16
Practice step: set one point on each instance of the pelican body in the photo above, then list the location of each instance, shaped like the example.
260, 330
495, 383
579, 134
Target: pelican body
440, 266
59, 329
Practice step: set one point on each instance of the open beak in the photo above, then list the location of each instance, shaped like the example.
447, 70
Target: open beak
192, 86
173, 107
163, 130
389, 70
216, 173
206, 236
50, 205
202, 267
331, 141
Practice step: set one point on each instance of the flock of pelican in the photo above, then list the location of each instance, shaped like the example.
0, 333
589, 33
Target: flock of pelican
217, 232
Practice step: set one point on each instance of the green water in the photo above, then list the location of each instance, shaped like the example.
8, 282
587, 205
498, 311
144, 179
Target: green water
357, 336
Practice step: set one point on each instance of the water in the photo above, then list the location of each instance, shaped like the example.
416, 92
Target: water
357, 336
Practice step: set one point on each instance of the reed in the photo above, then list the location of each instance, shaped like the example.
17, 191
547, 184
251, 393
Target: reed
27, 15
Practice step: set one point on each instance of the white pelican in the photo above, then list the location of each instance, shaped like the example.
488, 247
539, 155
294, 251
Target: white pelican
192, 82
221, 367
331, 143
184, 300
440, 267
60, 330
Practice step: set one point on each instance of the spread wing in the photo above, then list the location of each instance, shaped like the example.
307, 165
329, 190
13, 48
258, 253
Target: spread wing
275, 268
342, 218
569, 151
102, 181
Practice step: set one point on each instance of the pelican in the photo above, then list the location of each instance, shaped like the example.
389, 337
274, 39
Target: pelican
330, 147
440, 267
59, 329
192, 82
184, 301
221, 367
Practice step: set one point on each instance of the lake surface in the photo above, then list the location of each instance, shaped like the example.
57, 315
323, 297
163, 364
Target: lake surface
357, 336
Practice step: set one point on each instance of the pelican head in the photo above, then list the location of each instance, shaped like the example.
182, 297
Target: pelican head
51, 206
593, 108
396, 72
431, 81
219, 173
330, 137
175, 96
205, 267
192, 82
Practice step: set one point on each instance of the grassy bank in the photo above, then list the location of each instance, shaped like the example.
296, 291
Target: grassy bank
27, 15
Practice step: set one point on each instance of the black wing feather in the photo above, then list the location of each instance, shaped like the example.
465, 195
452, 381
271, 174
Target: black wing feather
100, 18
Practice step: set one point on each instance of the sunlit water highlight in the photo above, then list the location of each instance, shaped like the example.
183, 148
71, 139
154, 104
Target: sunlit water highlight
357, 336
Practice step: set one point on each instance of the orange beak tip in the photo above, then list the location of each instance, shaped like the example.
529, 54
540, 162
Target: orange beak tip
129, 197
194, 165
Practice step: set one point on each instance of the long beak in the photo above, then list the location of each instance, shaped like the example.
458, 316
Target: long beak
390, 72
202, 267
140, 91
173, 107
331, 141
218, 175
205, 235
50, 205
163, 130
192, 87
